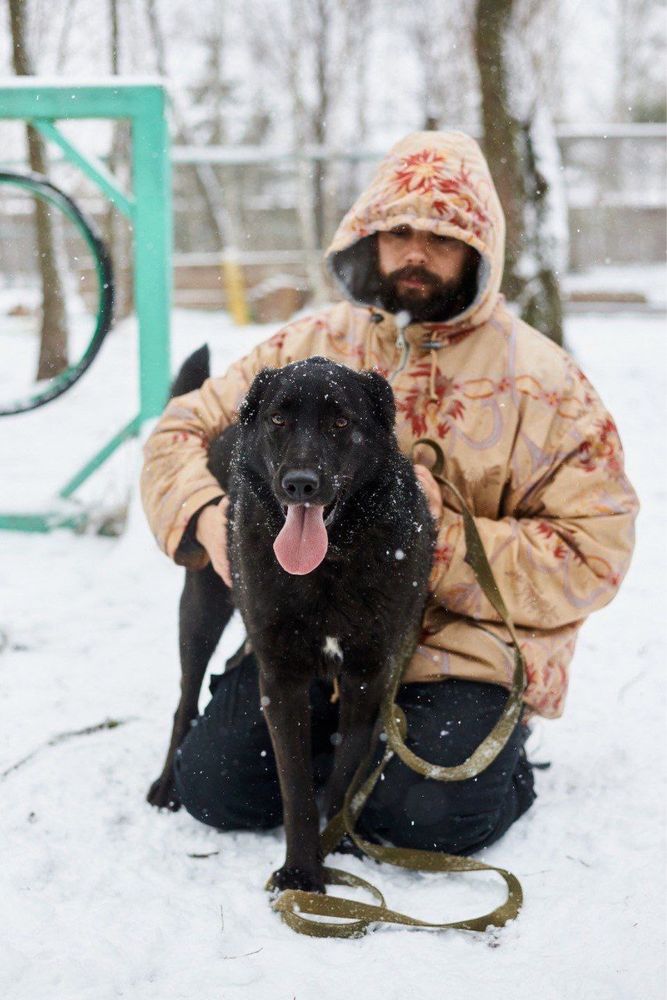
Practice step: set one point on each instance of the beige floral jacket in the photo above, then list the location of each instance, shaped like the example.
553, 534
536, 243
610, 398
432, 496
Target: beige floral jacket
526, 438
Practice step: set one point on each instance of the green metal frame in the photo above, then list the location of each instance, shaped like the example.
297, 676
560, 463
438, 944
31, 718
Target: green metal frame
149, 209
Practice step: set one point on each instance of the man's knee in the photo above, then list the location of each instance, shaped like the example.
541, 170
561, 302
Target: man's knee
445, 723
413, 812
225, 794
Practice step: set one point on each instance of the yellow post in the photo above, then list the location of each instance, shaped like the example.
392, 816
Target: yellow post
235, 292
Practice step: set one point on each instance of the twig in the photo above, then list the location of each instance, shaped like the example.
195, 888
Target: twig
245, 955
628, 684
209, 855
62, 738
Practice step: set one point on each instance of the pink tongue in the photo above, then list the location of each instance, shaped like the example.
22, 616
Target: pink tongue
302, 543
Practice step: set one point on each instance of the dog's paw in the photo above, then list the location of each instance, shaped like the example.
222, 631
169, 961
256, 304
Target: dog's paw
163, 795
297, 878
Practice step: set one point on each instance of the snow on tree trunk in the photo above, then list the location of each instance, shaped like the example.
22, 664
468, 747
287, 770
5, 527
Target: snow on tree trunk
523, 156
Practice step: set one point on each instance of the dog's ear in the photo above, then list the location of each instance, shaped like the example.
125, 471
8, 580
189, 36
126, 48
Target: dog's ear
382, 398
250, 405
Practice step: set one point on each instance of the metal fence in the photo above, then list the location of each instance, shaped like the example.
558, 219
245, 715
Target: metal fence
614, 179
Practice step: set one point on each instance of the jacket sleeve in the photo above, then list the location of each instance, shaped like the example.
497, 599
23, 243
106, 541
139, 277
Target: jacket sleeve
175, 480
566, 542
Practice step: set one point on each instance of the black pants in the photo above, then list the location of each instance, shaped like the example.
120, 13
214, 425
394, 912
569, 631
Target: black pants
226, 773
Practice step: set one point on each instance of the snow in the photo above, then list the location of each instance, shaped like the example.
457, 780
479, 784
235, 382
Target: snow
648, 280
102, 897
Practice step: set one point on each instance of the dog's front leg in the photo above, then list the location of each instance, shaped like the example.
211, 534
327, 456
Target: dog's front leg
359, 707
287, 712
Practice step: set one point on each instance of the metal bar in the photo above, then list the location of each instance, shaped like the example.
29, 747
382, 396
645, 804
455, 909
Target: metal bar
19, 98
95, 171
238, 156
151, 182
42, 523
130, 430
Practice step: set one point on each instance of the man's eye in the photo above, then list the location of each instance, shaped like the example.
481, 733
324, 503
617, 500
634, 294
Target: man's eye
277, 420
399, 231
340, 422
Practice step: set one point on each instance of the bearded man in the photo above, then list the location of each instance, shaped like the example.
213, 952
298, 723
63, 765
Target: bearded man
527, 441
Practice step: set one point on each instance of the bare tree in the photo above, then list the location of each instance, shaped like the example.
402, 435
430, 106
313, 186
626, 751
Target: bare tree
53, 357
640, 45
523, 156
220, 222
439, 36
118, 232
311, 51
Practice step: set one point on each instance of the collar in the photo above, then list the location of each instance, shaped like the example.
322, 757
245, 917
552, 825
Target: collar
423, 336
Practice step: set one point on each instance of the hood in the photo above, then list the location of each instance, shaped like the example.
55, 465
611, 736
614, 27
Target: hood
437, 181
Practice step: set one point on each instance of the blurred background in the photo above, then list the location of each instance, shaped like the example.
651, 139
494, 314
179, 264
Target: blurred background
280, 110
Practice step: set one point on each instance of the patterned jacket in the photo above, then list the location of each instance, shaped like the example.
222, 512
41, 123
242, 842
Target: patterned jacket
526, 438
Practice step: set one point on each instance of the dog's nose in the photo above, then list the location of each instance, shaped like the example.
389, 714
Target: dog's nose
300, 484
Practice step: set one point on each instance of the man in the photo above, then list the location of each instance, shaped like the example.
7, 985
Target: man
527, 441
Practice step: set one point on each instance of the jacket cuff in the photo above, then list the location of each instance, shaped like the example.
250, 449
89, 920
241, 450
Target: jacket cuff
198, 558
189, 547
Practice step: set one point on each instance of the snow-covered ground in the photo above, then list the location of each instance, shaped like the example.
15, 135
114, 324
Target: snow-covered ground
101, 896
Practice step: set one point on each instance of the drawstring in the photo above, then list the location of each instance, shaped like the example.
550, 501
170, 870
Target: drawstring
431, 384
433, 346
402, 321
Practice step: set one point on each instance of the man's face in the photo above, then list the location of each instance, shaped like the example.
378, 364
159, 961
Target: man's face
431, 277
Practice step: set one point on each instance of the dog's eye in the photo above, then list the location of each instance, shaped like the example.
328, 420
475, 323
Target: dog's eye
340, 422
277, 420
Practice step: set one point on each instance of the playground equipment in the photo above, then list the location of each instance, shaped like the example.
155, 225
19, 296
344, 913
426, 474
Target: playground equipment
148, 206
55, 387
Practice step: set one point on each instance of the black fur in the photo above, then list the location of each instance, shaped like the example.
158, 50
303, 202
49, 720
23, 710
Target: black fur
368, 594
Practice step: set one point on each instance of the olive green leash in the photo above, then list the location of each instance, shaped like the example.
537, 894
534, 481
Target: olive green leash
294, 904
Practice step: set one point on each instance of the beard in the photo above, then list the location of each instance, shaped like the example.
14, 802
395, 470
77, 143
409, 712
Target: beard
436, 300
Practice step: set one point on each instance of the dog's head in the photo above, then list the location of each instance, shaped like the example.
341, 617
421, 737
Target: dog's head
313, 434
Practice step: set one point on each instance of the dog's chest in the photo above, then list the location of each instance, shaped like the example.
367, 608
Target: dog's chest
332, 650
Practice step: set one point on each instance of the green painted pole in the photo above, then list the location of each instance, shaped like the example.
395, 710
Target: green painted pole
151, 172
150, 209
29, 97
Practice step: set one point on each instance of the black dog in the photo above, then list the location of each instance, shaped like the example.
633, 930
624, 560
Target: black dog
330, 543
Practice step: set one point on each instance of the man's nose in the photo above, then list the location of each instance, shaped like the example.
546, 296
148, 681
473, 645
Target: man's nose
417, 249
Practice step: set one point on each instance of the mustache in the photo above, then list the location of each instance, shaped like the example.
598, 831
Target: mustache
416, 273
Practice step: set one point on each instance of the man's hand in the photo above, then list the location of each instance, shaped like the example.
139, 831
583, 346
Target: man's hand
212, 534
427, 482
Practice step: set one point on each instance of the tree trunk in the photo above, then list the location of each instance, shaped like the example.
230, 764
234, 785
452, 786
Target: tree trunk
118, 233
320, 117
307, 170
514, 159
53, 335
205, 176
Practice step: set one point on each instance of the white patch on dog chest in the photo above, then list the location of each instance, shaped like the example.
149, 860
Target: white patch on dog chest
332, 648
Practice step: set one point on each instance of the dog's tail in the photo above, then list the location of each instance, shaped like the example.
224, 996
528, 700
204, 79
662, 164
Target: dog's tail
194, 372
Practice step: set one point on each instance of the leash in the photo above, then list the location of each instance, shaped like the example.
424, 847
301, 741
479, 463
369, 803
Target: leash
296, 906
